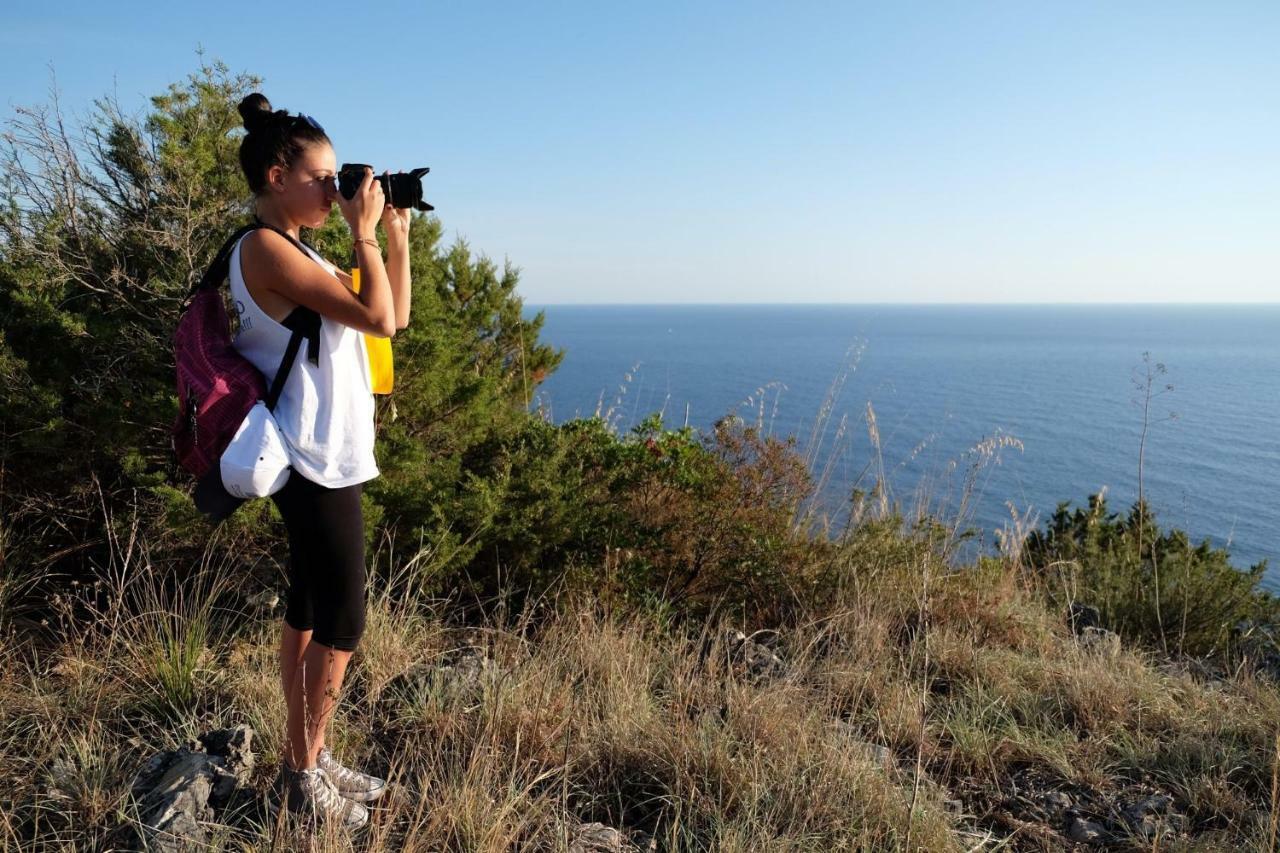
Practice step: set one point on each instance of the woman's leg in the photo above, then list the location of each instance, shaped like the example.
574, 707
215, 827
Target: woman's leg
315, 695
294, 506
293, 643
327, 594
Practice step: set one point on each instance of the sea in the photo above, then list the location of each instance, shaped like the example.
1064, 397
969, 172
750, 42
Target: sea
989, 416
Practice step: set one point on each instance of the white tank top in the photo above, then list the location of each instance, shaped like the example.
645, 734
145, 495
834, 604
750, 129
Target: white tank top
325, 410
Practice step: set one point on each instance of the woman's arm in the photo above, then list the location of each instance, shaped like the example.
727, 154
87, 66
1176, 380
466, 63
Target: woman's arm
269, 262
273, 264
396, 223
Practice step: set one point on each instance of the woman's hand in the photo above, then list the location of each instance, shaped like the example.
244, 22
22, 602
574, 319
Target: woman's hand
395, 221
363, 208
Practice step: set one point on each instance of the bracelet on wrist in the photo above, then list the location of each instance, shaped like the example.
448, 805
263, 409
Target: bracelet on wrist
372, 242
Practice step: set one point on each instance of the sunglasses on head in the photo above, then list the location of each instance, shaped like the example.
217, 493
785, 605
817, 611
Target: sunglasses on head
309, 120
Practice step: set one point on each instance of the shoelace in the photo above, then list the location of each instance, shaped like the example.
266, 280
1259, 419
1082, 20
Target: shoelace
323, 792
344, 774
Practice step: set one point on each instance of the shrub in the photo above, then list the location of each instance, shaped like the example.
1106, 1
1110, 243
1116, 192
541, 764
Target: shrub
656, 517
713, 520
103, 229
1152, 586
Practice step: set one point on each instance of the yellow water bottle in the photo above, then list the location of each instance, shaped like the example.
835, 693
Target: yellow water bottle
381, 366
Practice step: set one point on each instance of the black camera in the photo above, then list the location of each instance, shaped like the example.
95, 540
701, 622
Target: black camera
403, 189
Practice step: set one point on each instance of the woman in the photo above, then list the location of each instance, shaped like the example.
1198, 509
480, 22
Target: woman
325, 413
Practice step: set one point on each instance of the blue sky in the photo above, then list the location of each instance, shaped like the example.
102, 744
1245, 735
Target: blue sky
752, 152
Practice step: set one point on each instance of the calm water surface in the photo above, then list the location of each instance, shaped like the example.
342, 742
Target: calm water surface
940, 379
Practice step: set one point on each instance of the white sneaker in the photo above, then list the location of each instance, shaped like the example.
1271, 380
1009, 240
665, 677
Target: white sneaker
351, 784
311, 794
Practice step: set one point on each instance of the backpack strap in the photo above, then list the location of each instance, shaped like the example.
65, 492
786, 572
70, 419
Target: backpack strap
221, 266
304, 321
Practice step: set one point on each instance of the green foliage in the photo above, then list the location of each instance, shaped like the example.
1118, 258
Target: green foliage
176, 662
1150, 585
465, 370
101, 235
657, 515
714, 519
103, 231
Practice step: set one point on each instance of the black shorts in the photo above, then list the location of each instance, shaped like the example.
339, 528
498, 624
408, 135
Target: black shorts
326, 560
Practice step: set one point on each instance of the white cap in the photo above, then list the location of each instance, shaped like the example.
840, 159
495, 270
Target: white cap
256, 462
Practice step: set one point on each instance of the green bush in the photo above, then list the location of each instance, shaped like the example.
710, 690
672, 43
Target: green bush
712, 519
102, 231
1150, 585
654, 517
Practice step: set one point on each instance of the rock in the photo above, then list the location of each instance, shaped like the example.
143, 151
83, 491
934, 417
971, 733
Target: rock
881, 755
1145, 827
1144, 816
1086, 623
1086, 831
598, 838
178, 790
467, 665
1082, 616
1058, 801
754, 659
266, 600
460, 674
63, 777
1155, 804
850, 737
1100, 641
767, 637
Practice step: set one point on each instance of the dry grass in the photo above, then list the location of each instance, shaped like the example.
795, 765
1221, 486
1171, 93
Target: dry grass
918, 703
591, 715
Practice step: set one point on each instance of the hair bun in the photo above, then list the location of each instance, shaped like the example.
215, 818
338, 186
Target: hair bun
256, 111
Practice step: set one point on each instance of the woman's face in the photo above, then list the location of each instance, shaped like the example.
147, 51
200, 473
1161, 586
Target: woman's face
309, 188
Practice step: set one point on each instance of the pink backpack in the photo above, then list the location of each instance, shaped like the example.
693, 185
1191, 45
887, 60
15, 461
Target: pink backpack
217, 386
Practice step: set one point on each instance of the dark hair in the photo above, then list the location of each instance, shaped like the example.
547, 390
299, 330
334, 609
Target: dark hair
275, 138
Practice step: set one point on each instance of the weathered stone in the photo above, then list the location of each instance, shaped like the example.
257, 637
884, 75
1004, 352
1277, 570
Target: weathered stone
1082, 616
1057, 800
881, 755
851, 739
1258, 643
1086, 831
63, 777
467, 665
598, 838
461, 673
1145, 826
1154, 804
267, 600
179, 789
767, 637
1144, 816
753, 659
1100, 641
